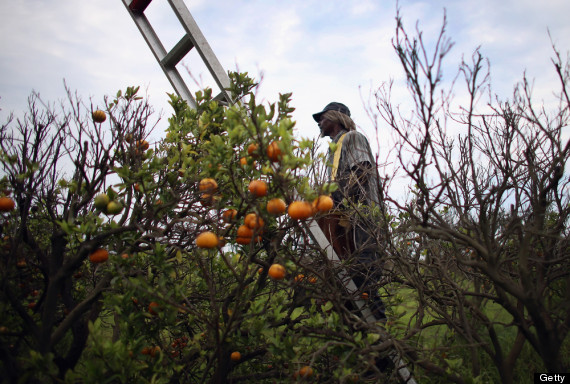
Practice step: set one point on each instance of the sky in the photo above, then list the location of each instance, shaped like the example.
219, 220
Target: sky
321, 51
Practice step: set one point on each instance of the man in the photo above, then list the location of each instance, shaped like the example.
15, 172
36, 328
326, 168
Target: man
352, 166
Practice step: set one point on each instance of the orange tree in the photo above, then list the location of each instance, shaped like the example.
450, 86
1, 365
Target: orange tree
124, 263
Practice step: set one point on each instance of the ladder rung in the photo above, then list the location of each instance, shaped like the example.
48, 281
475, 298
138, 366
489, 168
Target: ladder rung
178, 52
139, 5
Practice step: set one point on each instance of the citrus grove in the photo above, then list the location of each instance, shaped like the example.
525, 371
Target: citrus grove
188, 259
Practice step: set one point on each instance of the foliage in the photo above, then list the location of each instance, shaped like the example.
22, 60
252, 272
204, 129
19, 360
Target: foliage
481, 245
162, 309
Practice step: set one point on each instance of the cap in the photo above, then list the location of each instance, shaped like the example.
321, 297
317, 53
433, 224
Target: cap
334, 106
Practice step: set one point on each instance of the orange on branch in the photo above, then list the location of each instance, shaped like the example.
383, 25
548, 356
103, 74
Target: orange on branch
276, 272
229, 215
300, 210
143, 145
244, 231
207, 240
208, 185
273, 151
6, 204
252, 150
323, 203
153, 308
235, 356
276, 206
99, 116
258, 188
306, 371
253, 221
99, 256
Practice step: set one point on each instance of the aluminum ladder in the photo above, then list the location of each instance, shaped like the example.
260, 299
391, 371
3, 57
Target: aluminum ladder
192, 39
168, 61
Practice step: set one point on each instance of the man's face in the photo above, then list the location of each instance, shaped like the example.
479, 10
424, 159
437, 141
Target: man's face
327, 127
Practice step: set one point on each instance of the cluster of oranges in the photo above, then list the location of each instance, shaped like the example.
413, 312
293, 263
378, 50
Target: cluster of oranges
104, 203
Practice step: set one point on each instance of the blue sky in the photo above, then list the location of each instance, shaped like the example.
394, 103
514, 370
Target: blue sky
319, 50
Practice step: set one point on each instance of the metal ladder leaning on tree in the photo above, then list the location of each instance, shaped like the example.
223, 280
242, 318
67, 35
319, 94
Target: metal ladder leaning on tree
194, 39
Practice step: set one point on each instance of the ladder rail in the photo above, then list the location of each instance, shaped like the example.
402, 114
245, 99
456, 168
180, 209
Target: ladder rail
202, 46
319, 237
159, 52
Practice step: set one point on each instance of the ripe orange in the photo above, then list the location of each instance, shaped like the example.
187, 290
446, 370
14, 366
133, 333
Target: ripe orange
207, 240
229, 215
253, 221
243, 240
151, 308
299, 278
273, 151
208, 185
300, 210
306, 371
276, 272
258, 188
364, 296
99, 116
143, 145
244, 231
276, 206
235, 356
323, 203
6, 204
243, 161
154, 350
99, 256
252, 150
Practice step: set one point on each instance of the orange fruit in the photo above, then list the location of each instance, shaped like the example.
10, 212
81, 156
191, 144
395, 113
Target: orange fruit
244, 231
151, 308
323, 203
207, 199
276, 272
364, 296
229, 215
6, 204
243, 161
99, 116
252, 149
101, 201
154, 351
253, 221
143, 145
207, 240
258, 188
99, 256
114, 208
276, 206
208, 185
300, 210
299, 278
306, 371
273, 151
235, 356
243, 240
